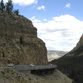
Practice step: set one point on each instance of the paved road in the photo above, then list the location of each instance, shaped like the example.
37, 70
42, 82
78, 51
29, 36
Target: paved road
30, 67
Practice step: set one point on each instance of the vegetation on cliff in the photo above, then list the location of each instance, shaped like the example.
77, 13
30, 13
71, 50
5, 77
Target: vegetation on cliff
8, 7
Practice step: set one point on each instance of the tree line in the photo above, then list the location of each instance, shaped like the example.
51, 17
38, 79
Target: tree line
8, 7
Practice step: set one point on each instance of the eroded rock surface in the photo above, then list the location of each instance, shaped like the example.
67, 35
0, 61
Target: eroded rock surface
19, 43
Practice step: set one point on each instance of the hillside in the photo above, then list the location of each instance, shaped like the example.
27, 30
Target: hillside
19, 43
11, 76
72, 63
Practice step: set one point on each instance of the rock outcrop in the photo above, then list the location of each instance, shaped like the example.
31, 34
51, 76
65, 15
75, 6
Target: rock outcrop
72, 63
19, 43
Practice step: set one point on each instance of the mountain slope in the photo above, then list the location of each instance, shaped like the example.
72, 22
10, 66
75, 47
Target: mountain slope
19, 43
72, 63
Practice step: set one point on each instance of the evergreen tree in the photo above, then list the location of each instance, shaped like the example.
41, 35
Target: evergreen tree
2, 6
16, 12
9, 6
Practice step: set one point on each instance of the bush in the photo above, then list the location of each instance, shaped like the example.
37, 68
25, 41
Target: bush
16, 12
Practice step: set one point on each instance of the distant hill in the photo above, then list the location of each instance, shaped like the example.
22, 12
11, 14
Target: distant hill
54, 54
72, 63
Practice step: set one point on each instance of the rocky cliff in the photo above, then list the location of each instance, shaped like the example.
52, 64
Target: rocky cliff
72, 63
19, 43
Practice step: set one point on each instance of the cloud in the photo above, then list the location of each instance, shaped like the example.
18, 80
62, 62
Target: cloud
24, 2
59, 33
68, 5
42, 7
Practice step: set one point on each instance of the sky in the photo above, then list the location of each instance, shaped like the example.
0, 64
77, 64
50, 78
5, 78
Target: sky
59, 22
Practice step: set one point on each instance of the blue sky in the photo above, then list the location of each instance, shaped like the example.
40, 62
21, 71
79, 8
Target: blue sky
52, 8
59, 22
